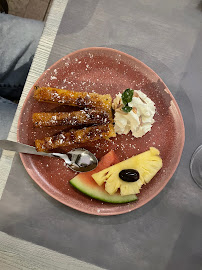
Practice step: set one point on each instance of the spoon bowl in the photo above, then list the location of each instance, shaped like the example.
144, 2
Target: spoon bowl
79, 159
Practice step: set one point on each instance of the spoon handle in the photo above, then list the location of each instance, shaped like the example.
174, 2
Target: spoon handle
21, 148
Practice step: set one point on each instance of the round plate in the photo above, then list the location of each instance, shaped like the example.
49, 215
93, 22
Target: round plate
103, 70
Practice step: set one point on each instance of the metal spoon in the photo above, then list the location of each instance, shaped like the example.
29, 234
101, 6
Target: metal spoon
80, 159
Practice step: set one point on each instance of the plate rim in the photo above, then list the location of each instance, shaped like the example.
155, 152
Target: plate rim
23, 156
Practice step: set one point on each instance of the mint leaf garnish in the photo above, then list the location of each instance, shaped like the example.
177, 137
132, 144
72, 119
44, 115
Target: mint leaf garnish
127, 108
127, 97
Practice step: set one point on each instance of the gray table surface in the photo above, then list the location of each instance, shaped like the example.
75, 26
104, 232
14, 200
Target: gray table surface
165, 233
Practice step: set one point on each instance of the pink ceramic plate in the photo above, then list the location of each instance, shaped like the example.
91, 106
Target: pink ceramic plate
103, 70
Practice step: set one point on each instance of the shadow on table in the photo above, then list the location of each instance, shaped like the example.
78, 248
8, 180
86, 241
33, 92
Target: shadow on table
187, 252
82, 9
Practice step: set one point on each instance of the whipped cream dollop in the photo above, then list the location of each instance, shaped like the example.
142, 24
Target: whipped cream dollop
141, 117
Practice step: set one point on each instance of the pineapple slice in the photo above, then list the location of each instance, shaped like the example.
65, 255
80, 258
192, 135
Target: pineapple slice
147, 164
